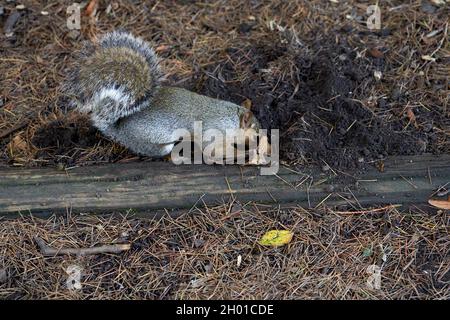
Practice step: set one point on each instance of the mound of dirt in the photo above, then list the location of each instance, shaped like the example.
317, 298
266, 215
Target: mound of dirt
313, 94
307, 67
61, 135
73, 141
61, 141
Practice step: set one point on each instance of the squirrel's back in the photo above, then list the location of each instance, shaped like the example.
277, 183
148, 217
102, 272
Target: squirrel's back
114, 78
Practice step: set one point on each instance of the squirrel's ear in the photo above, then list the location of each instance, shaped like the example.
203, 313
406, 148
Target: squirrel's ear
247, 104
246, 118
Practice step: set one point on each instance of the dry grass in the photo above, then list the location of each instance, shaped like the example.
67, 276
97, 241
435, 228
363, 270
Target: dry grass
196, 256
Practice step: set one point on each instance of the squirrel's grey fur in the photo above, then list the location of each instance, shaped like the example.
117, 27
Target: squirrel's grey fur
117, 82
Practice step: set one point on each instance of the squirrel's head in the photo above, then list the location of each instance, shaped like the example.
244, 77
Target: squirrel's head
249, 121
252, 127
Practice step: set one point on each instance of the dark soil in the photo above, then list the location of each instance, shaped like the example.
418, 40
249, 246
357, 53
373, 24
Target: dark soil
58, 142
317, 106
61, 135
317, 85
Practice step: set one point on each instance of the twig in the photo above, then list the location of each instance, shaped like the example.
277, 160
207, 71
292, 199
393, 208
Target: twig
289, 184
49, 251
370, 210
325, 199
410, 183
14, 128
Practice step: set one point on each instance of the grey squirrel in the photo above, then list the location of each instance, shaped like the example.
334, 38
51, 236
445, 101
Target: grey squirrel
117, 81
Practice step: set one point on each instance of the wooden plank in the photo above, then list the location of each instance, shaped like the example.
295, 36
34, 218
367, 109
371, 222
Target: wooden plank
157, 185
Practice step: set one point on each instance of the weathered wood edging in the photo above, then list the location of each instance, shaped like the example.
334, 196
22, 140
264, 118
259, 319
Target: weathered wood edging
157, 185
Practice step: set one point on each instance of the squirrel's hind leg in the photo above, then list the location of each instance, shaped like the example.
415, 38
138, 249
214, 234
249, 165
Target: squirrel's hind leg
155, 150
163, 150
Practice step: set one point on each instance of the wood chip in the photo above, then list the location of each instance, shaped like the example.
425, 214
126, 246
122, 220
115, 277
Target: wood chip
411, 116
428, 58
374, 52
441, 204
91, 8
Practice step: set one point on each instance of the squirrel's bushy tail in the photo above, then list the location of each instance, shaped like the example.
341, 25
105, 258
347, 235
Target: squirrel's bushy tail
114, 78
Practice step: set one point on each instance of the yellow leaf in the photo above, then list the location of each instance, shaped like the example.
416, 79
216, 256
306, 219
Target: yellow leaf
276, 238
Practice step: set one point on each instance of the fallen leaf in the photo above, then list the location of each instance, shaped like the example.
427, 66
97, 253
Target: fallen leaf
161, 48
91, 8
411, 116
276, 238
441, 204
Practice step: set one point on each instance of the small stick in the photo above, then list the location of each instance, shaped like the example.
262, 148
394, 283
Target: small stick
370, 210
412, 184
48, 251
14, 128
